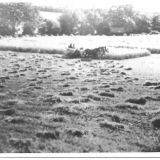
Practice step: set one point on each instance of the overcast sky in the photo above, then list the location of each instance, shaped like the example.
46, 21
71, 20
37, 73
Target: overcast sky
141, 5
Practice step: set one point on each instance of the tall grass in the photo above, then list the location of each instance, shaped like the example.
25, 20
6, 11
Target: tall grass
132, 46
154, 50
31, 49
125, 53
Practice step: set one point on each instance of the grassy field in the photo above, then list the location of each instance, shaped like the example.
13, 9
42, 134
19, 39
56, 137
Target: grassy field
51, 42
52, 104
120, 45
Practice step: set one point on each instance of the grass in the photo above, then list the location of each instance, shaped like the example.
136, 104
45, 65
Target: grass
114, 53
120, 54
121, 47
154, 50
31, 49
111, 125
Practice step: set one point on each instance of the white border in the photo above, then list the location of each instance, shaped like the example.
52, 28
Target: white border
82, 155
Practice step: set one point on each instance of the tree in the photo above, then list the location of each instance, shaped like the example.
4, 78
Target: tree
93, 18
103, 28
89, 21
15, 14
68, 22
143, 24
29, 29
49, 28
122, 17
156, 22
5, 30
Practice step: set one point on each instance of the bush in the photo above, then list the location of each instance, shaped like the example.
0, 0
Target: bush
156, 22
6, 30
68, 22
28, 29
84, 28
49, 28
103, 29
121, 19
143, 24
154, 32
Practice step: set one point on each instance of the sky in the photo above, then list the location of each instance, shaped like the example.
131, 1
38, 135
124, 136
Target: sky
141, 5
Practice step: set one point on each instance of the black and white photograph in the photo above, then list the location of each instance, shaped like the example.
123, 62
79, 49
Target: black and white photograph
79, 76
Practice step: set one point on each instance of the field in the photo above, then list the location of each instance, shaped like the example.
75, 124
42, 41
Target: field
58, 44
52, 104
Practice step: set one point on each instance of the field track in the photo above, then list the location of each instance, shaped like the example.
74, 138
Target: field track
51, 104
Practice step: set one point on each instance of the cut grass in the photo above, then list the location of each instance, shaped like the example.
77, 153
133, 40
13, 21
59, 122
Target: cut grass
111, 125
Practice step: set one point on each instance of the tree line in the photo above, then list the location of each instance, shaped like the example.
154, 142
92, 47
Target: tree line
24, 19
